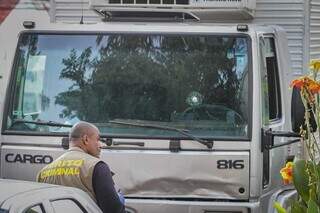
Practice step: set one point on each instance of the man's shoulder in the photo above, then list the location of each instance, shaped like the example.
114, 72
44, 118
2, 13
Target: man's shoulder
76, 153
90, 159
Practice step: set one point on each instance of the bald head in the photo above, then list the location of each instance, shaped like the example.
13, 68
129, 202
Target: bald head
80, 129
87, 137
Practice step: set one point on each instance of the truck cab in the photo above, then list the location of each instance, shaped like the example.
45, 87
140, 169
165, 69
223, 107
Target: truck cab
195, 115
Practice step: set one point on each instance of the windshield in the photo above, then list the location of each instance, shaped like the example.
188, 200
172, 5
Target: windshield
193, 82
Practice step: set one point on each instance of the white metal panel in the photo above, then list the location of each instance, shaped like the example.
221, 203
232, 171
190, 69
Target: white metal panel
289, 14
71, 11
315, 29
244, 4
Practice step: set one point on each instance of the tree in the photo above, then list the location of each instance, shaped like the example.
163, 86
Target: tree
147, 77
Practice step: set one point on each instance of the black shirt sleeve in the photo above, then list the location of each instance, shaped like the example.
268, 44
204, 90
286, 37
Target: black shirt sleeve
103, 186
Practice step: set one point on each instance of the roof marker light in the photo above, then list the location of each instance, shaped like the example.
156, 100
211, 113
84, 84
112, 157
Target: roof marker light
29, 24
242, 27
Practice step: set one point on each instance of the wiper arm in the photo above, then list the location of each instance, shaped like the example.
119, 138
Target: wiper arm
184, 132
40, 122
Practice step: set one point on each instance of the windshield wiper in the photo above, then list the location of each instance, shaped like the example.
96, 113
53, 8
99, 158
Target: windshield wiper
39, 122
184, 132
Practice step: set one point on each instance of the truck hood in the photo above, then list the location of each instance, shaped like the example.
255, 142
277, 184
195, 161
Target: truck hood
185, 174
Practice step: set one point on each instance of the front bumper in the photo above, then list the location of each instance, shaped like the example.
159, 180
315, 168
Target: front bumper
174, 206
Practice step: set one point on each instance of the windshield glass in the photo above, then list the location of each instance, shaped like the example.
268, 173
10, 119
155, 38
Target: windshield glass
193, 82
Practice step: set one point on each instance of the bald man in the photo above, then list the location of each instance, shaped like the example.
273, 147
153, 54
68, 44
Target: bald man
82, 168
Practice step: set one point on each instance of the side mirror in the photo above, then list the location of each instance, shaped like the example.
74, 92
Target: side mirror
298, 111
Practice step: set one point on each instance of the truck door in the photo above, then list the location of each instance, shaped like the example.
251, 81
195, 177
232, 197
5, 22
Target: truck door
272, 108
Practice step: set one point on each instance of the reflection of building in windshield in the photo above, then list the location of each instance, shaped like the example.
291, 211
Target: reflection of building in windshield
34, 85
241, 56
239, 52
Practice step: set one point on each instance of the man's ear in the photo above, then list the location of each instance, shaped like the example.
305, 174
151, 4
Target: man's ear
85, 139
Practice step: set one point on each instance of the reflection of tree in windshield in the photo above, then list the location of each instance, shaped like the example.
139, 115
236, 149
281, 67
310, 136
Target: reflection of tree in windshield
147, 77
80, 96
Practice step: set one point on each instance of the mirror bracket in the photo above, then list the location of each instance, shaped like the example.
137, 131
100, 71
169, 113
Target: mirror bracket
267, 138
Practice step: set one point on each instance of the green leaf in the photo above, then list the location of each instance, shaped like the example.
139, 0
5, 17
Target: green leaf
301, 179
279, 208
318, 186
312, 207
313, 192
298, 207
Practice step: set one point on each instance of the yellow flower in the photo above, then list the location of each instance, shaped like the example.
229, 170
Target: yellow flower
286, 173
315, 65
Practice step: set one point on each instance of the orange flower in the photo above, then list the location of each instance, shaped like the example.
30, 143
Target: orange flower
286, 173
314, 87
315, 65
307, 83
297, 83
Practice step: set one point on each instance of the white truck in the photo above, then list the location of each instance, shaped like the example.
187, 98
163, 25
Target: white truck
191, 96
